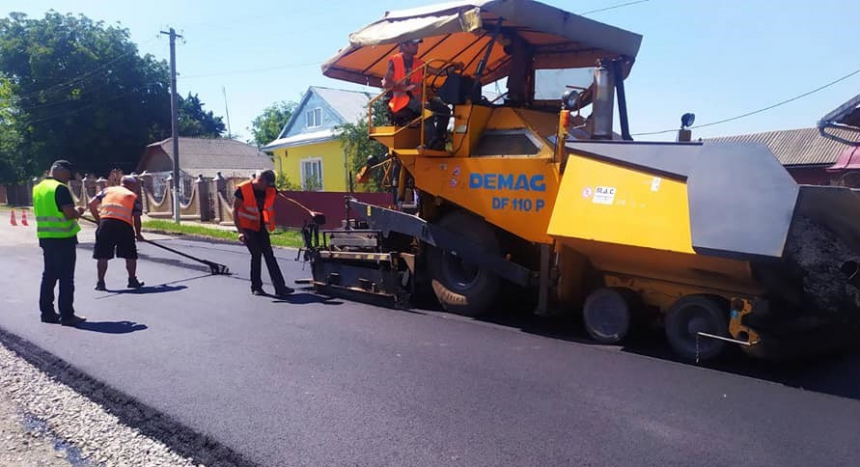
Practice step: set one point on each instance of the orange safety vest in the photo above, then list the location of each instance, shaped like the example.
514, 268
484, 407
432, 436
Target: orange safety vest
249, 212
118, 203
400, 100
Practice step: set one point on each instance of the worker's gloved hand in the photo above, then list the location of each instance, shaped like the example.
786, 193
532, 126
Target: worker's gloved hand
81, 210
242, 238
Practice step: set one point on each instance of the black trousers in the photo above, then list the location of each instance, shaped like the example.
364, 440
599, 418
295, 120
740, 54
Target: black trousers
260, 246
59, 256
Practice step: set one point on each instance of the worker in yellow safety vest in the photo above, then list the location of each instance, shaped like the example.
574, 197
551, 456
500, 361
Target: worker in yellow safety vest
57, 230
254, 217
117, 210
404, 83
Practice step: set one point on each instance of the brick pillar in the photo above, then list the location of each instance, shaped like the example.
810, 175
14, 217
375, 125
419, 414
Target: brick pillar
145, 187
169, 196
220, 191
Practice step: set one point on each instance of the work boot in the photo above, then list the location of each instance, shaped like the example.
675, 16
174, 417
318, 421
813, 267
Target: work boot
133, 283
50, 318
437, 144
258, 292
283, 292
100, 285
72, 320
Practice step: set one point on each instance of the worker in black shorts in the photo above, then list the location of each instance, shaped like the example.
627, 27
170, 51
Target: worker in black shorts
118, 210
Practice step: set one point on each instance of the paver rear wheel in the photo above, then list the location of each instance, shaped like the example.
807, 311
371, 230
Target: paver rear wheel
607, 314
462, 287
693, 314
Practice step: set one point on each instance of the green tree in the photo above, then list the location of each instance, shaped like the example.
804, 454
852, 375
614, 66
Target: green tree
268, 125
196, 122
283, 183
78, 89
13, 166
359, 147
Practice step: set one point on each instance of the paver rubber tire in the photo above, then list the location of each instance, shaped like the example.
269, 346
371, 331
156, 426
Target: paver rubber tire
460, 287
607, 314
693, 314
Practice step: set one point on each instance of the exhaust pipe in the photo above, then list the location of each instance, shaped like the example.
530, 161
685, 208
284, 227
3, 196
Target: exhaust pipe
603, 103
852, 271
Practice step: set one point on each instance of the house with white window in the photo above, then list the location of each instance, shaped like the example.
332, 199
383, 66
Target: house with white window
308, 151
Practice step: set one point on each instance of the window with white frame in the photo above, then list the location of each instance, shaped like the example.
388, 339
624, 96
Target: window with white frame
312, 174
314, 117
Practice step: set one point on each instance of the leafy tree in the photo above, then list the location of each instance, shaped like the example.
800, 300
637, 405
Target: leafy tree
196, 122
268, 125
78, 89
359, 147
13, 166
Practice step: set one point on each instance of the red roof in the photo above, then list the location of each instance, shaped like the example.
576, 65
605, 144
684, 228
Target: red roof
849, 159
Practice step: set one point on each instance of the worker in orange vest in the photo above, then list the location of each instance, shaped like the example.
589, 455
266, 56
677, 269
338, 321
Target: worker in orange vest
117, 210
254, 216
405, 93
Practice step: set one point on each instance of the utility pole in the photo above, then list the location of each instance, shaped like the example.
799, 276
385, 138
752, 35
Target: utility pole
227, 110
174, 122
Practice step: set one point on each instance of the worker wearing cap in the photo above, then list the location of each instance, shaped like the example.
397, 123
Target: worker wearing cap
117, 210
406, 100
254, 216
57, 230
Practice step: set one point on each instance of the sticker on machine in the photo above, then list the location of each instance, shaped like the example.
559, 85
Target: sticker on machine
586, 192
604, 195
655, 184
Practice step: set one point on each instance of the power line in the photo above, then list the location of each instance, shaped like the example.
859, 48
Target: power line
81, 109
84, 75
612, 7
257, 70
825, 86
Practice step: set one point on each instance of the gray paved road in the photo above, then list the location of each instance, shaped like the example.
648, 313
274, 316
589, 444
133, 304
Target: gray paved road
312, 382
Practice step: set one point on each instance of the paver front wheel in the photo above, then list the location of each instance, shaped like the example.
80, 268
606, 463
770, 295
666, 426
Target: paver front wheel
461, 287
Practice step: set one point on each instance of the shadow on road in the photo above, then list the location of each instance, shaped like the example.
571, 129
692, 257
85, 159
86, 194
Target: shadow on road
307, 299
162, 288
836, 375
112, 327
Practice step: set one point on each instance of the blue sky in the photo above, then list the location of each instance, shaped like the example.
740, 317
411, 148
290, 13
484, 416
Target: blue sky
715, 58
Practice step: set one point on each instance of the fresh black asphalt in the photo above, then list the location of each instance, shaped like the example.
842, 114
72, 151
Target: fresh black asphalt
324, 382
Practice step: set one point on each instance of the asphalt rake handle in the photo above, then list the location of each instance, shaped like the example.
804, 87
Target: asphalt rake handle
214, 268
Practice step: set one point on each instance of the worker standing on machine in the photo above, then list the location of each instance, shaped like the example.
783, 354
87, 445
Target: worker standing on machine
405, 89
117, 209
254, 216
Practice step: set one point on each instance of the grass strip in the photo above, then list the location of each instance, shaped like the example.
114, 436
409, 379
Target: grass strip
283, 238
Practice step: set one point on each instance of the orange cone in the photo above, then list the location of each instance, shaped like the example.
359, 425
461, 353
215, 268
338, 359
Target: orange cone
24, 218
12, 221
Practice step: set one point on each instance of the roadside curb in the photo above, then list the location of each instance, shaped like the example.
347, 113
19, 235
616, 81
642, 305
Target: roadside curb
203, 238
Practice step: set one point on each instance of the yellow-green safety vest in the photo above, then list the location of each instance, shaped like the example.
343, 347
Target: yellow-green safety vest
50, 221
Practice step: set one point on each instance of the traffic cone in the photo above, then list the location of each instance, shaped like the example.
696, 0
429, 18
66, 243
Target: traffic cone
12, 221
24, 218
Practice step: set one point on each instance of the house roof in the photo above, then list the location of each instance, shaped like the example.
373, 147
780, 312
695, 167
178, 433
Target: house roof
301, 139
207, 156
804, 146
351, 105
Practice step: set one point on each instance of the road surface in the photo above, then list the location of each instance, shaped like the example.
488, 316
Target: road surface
311, 381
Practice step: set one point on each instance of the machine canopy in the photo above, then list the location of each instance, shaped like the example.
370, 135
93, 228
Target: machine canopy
461, 31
